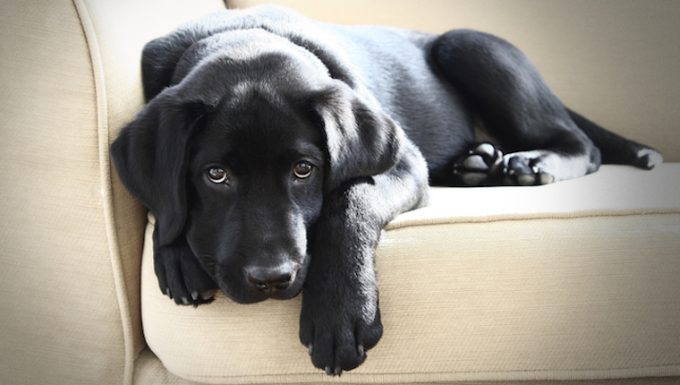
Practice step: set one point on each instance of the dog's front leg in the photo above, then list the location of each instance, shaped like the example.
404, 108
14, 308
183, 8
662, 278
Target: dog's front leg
340, 317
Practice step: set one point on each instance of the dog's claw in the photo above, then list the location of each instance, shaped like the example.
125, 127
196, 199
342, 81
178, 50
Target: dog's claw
361, 350
185, 300
333, 372
168, 293
194, 295
310, 349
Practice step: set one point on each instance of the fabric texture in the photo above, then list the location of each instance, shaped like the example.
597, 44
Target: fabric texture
150, 371
70, 291
576, 280
116, 33
58, 310
473, 291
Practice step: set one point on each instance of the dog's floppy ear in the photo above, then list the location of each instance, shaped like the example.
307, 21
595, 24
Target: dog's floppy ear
159, 60
361, 139
150, 156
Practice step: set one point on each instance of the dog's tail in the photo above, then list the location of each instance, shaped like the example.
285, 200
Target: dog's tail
616, 149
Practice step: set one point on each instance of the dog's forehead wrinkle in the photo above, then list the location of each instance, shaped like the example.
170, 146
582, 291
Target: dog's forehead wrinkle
257, 44
258, 155
237, 61
262, 126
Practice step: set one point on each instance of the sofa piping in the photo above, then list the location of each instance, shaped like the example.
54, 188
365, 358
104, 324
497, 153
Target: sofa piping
106, 188
467, 219
612, 374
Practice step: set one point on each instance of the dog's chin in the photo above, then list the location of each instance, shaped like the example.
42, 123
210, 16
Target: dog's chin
286, 294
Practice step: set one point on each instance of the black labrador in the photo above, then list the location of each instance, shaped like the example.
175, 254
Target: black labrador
273, 150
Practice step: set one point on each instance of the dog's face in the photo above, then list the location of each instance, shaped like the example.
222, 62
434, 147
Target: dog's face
240, 156
254, 189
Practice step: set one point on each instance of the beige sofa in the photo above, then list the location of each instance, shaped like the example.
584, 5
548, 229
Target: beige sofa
577, 281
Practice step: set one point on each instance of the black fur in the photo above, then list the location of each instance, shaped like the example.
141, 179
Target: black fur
273, 150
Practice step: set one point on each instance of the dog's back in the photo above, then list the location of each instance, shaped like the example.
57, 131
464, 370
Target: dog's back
397, 67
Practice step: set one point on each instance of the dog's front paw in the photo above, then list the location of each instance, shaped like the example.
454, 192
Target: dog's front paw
338, 335
181, 277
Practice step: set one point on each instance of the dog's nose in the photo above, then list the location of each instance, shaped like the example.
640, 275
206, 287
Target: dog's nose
270, 279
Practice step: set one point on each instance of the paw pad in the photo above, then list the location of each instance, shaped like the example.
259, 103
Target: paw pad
480, 166
524, 171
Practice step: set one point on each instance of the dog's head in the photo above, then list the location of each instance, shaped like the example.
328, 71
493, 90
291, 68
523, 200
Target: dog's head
238, 156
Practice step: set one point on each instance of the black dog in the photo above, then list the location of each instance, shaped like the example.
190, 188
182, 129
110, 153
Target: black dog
273, 150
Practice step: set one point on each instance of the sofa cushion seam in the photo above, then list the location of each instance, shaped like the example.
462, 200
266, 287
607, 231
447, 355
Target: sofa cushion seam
674, 367
515, 218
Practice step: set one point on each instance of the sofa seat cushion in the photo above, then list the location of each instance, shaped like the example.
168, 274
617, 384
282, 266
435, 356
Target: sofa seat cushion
576, 280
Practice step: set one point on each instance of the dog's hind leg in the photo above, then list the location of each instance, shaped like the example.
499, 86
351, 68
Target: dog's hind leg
616, 149
515, 105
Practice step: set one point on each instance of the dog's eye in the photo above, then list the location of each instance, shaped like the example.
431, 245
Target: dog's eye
303, 169
217, 175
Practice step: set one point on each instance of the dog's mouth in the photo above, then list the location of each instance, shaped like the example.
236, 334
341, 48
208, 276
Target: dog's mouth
241, 290
249, 296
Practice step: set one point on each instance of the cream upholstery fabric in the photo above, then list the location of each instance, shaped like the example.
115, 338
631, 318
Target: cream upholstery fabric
71, 238
116, 32
473, 291
613, 60
69, 75
150, 371
59, 313
613, 190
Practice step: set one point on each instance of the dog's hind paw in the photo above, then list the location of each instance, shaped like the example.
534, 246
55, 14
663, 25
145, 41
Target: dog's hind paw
648, 158
480, 166
527, 169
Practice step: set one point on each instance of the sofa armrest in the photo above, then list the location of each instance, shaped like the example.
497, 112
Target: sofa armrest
71, 237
